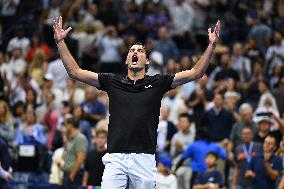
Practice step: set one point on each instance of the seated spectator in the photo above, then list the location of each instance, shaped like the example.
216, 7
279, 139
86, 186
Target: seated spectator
94, 166
94, 110
265, 168
244, 152
5, 161
211, 178
165, 180
6, 124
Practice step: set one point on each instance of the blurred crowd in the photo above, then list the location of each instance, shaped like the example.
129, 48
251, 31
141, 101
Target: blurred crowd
222, 131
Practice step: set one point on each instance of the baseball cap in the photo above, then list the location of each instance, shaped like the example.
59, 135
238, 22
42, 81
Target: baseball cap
48, 76
166, 161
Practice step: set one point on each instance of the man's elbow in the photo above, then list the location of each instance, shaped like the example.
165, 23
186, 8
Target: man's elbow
73, 74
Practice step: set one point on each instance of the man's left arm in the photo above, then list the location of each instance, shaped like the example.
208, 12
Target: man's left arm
199, 69
273, 172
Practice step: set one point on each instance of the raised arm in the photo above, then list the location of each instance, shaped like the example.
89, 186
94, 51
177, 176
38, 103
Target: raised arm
72, 68
200, 67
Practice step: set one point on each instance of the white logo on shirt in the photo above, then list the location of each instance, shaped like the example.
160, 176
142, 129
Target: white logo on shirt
149, 86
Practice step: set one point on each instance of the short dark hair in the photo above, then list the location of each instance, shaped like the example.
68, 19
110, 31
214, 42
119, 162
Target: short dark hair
74, 122
275, 139
185, 115
212, 154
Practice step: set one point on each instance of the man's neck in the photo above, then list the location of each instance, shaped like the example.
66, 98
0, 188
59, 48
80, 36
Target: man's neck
136, 74
101, 149
210, 169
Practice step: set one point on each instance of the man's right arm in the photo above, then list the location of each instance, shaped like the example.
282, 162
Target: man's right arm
72, 68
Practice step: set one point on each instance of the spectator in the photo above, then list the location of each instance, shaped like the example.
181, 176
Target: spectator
243, 154
198, 150
6, 124
219, 121
37, 68
263, 124
109, 44
8, 8
85, 126
240, 63
166, 46
73, 93
274, 54
264, 169
94, 166
184, 137
166, 130
59, 74
38, 46
74, 156
5, 161
19, 41
165, 180
94, 110
246, 113
156, 63
211, 178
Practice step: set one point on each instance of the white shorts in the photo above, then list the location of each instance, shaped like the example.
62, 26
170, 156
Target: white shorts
129, 171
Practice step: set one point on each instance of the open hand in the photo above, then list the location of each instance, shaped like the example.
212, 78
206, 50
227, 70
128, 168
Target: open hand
214, 36
59, 32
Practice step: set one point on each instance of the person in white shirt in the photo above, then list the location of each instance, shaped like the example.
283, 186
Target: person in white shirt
165, 180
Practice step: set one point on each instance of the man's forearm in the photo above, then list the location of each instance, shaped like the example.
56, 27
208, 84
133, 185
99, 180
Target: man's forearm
273, 174
68, 61
202, 64
77, 165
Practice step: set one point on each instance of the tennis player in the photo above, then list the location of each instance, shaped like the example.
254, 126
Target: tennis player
134, 105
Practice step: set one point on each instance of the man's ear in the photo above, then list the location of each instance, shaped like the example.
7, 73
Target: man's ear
147, 61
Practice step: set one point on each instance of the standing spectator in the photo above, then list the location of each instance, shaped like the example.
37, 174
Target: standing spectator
59, 74
94, 166
74, 155
264, 169
94, 110
243, 154
6, 124
275, 53
19, 41
166, 46
166, 180
261, 33
241, 63
109, 44
38, 46
219, 121
246, 113
184, 137
211, 178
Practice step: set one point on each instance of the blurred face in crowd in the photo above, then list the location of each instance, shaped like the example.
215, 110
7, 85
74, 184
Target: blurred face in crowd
264, 126
203, 81
162, 168
211, 160
163, 33
262, 87
90, 94
101, 140
17, 53
78, 112
247, 135
136, 58
225, 59
218, 100
277, 38
31, 117
247, 116
237, 49
269, 145
171, 67
184, 124
165, 111
185, 63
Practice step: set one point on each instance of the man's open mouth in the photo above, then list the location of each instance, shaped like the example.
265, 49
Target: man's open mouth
134, 59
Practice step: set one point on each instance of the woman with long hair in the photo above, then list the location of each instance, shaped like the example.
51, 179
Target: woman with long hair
6, 124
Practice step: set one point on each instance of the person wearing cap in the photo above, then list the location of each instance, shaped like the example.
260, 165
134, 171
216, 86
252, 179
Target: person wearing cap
264, 169
165, 180
263, 124
157, 62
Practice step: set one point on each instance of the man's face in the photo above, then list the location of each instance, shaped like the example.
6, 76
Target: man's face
247, 116
101, 140
264, 126
136, 58
247, 135
269, 144
210, 160
183, 124
218, 100
237, 49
